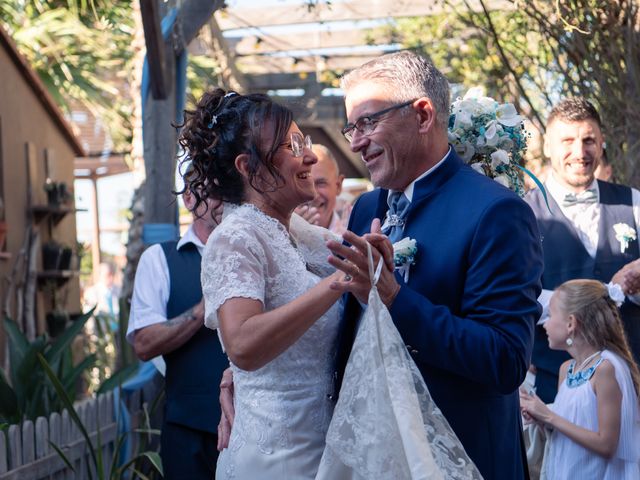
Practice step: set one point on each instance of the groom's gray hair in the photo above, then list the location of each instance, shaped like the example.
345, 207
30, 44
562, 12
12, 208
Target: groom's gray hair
406, 76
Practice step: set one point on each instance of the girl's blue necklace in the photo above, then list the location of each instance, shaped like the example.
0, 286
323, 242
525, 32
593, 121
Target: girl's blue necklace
574, 380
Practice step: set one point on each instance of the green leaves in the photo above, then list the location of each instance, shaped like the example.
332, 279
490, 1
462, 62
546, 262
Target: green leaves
81, 51
26, 394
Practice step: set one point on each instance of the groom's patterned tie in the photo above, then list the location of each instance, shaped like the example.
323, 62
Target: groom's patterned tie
394, 223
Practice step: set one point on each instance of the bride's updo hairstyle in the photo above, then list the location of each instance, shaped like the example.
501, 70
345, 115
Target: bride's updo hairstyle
598, 319
224, 125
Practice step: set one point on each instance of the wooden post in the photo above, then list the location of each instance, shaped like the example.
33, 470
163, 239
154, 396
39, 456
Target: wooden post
95, 231
159, 136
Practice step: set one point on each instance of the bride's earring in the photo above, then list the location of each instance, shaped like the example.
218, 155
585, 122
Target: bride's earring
569, 341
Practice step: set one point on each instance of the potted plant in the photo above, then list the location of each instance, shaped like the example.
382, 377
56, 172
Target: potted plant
58, 317
64, 261
51, 253
57, 193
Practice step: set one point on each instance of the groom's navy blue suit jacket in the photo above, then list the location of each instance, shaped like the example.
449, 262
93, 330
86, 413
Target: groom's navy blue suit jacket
468, 310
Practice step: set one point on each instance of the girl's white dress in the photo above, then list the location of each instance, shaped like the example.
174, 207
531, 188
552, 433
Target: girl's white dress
282, 409
568, 460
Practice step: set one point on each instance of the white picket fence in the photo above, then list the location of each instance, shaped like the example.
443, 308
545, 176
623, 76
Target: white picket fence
26, 454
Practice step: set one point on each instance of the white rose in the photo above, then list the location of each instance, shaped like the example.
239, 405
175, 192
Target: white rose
487, 105
465, 150
405, 247
499, 157
478, 167
503, 180
474, 92
463, 119
507, 115
492, 133
505, 143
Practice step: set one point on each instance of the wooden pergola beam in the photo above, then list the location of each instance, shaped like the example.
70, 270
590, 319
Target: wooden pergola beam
351, 10
156, 56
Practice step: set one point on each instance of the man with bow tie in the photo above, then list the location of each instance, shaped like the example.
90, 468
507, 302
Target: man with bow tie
589, 228
467, 308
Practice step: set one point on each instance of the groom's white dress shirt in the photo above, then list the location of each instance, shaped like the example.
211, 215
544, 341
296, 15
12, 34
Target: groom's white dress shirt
408, 192
585, 217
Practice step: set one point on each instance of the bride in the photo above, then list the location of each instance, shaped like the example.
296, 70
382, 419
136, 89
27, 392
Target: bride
267, 285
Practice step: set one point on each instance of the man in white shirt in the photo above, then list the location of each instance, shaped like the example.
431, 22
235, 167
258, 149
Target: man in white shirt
328, 182
167, 318
589, 229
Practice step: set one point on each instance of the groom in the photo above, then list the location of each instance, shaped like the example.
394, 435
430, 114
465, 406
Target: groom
468, 309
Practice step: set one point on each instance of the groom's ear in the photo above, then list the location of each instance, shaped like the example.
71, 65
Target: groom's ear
426, 114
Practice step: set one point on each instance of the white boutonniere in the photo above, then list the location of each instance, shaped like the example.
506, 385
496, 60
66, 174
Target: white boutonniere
624, 234
404, 254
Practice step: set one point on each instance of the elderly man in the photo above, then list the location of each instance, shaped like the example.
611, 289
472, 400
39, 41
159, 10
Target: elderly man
328, 182
167, 318
582, 228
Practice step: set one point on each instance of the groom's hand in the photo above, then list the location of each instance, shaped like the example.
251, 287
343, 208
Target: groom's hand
628, 277
353, 261
228, 412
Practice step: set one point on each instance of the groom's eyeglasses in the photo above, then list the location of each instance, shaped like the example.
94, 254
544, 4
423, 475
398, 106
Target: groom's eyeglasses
366, 125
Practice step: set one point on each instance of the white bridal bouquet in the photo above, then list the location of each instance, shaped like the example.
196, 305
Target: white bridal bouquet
490, 137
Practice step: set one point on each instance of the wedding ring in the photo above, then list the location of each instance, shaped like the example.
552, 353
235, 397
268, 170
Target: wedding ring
348, 278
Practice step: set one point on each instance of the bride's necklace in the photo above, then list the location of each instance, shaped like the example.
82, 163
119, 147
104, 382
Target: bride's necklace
580, 377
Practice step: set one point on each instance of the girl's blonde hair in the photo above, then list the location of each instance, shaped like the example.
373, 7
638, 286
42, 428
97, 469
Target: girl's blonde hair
598, 320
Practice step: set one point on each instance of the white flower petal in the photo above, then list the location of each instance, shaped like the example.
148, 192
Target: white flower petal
474, 92
499, 157
478, 167
507, 115
503, 180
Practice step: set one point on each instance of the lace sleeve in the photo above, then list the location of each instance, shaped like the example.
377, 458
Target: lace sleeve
311, 241
232, 267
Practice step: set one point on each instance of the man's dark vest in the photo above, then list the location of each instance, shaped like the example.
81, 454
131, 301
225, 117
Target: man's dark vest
195, 369
565, 258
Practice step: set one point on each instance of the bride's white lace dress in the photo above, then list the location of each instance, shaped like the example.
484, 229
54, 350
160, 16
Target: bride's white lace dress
282, 409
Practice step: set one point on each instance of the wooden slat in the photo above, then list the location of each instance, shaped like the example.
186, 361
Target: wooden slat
257, 64
28, 442
42, 437
65, 428
15, 447
55, 428
275, 14
249, 45
4, 461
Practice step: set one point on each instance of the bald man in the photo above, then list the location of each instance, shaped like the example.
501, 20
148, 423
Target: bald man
328, 183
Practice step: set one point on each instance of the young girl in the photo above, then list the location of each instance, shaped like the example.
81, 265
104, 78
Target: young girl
595, 418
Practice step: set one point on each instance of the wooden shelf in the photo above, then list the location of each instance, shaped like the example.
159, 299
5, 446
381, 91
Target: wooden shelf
40, 212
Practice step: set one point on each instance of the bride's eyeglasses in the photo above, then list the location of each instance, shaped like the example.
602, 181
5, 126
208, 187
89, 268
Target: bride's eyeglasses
298, 143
